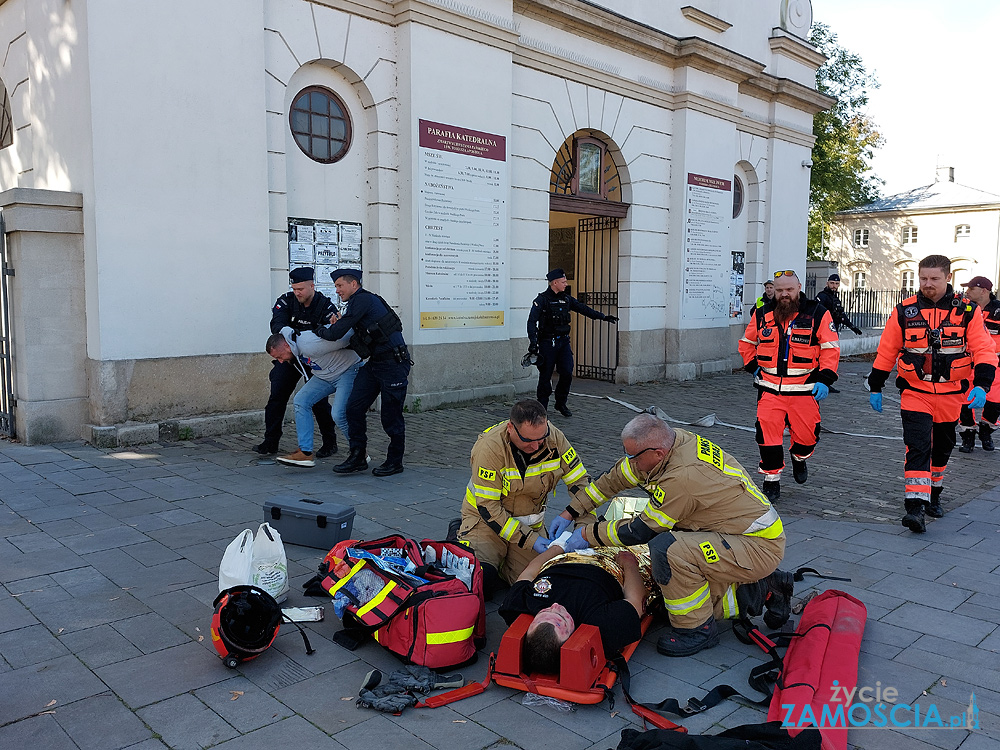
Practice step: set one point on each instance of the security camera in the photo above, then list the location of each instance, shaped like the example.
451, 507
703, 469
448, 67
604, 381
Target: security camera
807, 163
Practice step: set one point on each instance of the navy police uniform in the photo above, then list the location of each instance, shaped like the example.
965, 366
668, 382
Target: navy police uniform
284, 376
378, 336
548, 336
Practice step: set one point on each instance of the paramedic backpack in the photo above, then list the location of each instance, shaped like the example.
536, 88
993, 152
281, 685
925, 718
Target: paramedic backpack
426, 617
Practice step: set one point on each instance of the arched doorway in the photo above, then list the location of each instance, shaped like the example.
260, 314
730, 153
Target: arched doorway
585, 208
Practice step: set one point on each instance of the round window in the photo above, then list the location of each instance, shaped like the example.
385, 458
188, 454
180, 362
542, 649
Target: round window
737, 196
320, 124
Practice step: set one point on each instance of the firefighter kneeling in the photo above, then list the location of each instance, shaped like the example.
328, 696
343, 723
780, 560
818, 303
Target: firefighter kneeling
792, 348
937, 342
729, 563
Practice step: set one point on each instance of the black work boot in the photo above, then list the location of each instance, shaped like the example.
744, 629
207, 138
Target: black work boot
356, 461
388, 468
564, 410
328, 448
750, 598
800, 472
985, 436
935, 510
914, 518
688, 641
266, 448
778, 603
772, 490
968, 441
453, 526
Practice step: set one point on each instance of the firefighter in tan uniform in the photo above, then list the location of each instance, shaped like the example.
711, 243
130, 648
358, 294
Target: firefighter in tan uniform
708, 526
515, 465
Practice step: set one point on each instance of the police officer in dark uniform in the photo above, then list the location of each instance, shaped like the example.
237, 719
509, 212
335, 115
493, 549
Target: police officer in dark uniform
548, 337
378, 337
829, 298
303, 309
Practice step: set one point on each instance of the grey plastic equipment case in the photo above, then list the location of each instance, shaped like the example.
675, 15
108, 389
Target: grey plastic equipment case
309, 522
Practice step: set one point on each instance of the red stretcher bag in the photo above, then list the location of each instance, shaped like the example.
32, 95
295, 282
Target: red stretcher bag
437, 624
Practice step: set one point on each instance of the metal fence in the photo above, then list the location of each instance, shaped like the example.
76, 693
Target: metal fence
870, 308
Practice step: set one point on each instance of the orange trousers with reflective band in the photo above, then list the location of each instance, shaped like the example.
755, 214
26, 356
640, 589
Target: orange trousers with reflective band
929, 435
774, 411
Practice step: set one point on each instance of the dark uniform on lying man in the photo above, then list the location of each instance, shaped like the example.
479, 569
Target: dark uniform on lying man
708, 526
605, 589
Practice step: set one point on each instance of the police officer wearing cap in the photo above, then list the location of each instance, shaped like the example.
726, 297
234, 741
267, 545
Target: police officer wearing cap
829, 298
548, 337
302, 309
378, 337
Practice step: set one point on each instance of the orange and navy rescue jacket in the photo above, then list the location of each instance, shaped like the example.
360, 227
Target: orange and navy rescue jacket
937, 347
991, 317
807, 351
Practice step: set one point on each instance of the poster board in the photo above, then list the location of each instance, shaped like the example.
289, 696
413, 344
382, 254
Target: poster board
706, 287
324, 245
462, 216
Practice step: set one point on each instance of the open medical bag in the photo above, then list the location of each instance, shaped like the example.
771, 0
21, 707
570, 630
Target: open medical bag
415, 610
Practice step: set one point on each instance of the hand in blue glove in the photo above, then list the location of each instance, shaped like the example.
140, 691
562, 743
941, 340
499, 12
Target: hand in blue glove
540, 545
576, 542
976, 398
558, 526
820, 391
875, 399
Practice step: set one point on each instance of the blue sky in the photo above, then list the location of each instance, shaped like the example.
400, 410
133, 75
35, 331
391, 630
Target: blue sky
938, 64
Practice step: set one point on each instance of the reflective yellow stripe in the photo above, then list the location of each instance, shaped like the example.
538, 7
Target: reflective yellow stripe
378, 598
688, 603
747, 482
470, 498
730, 607
449, 636
595, 494
628, 473
542, 468
486, 492
661, 518
773, 531
612, 534
357, 566
509, 528
572, 476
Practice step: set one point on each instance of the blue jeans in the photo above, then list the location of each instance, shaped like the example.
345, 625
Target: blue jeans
316, 390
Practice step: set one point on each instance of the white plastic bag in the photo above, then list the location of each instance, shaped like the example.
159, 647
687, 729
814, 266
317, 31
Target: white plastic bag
237, 561
270, 566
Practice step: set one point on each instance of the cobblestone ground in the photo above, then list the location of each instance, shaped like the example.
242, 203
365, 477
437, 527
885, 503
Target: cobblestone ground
109, 568
850, 477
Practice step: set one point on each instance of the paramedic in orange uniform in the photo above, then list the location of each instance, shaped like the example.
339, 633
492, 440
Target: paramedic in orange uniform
793, 350
980, 290
938, 344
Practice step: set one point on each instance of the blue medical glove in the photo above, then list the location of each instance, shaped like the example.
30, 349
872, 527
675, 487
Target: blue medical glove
576, 542
540, 545
976, 398
558, 526
820, 391
875, 399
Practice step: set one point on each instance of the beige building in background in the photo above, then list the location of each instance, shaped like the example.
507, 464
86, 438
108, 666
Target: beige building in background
878, 246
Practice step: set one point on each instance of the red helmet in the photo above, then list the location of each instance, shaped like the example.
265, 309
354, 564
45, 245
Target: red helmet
245, 623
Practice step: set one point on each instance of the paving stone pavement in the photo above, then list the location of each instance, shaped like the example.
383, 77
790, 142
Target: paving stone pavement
109, 564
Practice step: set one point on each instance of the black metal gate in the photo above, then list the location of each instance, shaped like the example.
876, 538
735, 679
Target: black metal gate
595, 343
7, 401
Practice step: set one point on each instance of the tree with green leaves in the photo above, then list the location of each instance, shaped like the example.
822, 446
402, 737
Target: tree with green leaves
846, 139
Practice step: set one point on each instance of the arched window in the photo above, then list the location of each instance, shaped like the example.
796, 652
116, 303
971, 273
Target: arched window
320, 124
908, 281
737, 196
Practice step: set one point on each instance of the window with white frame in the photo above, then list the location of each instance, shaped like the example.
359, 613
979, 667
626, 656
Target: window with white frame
909, 235
908, 281
860, 280
962, 230
860, 238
